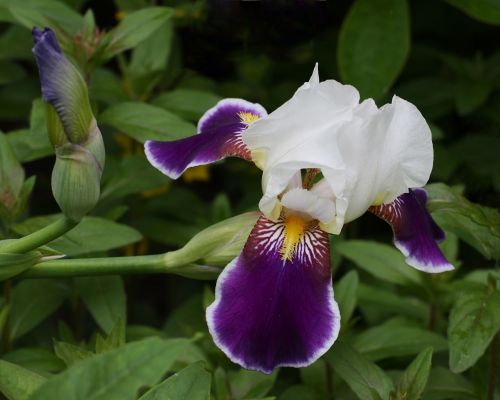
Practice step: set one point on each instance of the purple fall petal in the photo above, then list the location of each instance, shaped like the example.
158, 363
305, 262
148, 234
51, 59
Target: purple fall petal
219, 136
269, 312
415, 233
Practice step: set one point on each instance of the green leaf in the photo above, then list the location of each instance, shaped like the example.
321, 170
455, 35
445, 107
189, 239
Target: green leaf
146, 122
93, 234
115, 338
150, 59
13, 264
246, 384
11, 173
346, 294
365, 378
380, 260
35, 359
412, 383
192, 383
104, 297
445, 385
115, 375
17, 383
32, 302
187, 103
474, 320
390, 302
394, 340
34, 143
43, 13
477, 225
130, 175
70, 353
483, 10
134, 28
374, 43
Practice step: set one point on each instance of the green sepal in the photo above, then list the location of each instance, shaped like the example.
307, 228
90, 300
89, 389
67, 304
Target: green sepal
76, 180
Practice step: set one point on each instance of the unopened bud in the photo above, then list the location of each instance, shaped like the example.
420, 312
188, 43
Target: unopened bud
215, 245
76, 180
72, 129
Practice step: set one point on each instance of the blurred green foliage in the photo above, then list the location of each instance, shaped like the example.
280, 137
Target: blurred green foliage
154, 67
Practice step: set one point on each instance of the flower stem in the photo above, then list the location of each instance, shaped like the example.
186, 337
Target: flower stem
97, 266
40, 237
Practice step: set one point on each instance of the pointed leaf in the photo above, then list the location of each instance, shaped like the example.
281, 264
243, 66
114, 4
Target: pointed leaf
373, 45
412, 383
18, 383
192, 383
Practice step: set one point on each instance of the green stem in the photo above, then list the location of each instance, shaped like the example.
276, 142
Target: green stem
40, 237
174, 262
98, 266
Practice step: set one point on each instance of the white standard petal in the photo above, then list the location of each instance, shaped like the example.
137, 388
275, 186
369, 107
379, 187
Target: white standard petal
385, 155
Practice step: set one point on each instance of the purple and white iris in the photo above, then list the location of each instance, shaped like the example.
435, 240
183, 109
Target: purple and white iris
326, 160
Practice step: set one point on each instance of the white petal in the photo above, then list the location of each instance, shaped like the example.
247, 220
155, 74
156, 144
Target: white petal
309, 205
385, 156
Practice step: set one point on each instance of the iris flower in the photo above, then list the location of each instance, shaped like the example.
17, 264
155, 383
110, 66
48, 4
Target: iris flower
326, 160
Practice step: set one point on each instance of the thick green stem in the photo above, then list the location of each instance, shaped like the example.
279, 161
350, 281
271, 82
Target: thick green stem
168, 263
40, 237
97, 266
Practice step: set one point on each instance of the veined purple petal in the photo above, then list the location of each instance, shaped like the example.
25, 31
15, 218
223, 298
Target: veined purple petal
219, 136
270, 312
415, 233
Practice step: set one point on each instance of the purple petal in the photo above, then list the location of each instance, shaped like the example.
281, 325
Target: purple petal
415, 233
62, 86
219, 136
269, 312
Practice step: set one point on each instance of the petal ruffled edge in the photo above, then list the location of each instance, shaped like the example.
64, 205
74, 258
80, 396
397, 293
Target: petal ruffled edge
241, 280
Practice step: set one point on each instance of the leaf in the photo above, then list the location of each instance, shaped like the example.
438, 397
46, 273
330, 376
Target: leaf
134, 28
365, 379
390, 302
115, 338
104, 297
412, 383
477, 225
13, 264
374, 43
114, 375
380, 260
192, 383
445, 385
130, 175
32, 302
33, 144
146, 122
70, 353
91, 235
43, 13
187, 103
17, 383
483, 10
35, 359
474, 320
246, 384
346, 294
395, 340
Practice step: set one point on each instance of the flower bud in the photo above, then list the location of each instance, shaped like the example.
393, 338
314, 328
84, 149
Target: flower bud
72, 128
76, 180
216, 245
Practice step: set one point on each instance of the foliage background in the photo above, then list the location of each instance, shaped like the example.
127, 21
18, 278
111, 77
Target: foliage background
161, 70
